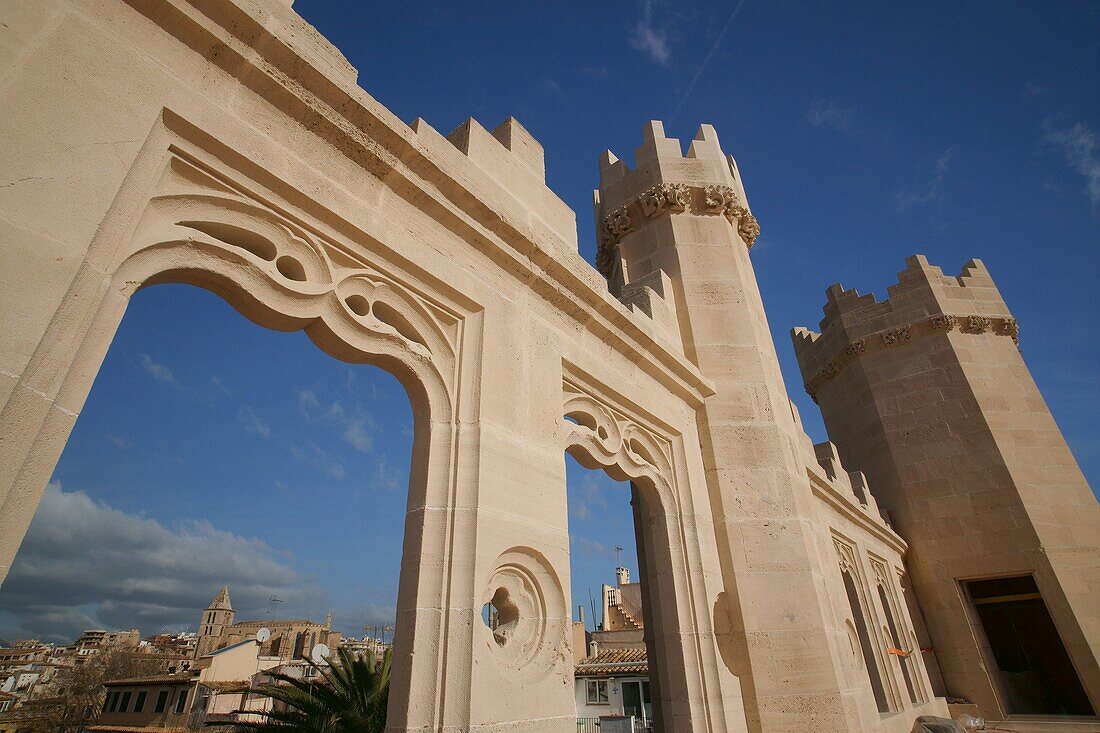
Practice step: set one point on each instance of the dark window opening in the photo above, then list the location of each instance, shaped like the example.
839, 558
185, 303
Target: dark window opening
162, 701
899, 646
865, 643
139, 703
1035, 670
181, 701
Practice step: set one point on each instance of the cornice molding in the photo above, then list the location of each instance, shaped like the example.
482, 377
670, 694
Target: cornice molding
672, 198
891, 337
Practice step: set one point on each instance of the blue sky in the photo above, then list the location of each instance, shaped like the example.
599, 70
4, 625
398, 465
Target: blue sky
865, 132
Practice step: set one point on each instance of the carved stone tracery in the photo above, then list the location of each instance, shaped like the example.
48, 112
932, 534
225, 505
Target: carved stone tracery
664, 197
673, 198
944, 322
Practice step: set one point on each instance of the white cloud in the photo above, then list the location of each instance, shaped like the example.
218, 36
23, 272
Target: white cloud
1080, 149
84, 564
386, 476
830, 115
930, 194
252, 423
313, 455
354, 426
157, 371
587, 547
586, 498
120, 443
649, 39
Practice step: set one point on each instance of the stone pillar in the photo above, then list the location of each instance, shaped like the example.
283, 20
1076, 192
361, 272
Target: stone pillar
928, 394
687, 217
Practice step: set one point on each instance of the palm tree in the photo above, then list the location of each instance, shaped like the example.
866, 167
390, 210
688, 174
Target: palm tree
350, 697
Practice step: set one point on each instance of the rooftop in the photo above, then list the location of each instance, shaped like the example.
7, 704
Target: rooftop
614, 662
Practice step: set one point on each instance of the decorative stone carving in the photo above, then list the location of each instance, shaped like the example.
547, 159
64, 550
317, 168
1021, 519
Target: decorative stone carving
664, 197
830, 370
977, 324
616, 442
857, 347
846, 557
1009, 327
619, 223
811, 390
895, 336
529, 612
747, 226
943, 322
672, 198
717, 198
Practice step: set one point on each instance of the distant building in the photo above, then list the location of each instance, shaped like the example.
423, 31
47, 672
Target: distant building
286, 640
92, 641
611, 666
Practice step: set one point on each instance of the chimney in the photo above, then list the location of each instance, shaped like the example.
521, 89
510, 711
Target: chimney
593, 649
622, 577
580, 614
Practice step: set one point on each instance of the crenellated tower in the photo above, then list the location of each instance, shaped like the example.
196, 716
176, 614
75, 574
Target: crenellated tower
675, 234
927, 393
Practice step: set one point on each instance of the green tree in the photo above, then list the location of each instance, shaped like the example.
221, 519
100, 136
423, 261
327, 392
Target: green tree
349, 697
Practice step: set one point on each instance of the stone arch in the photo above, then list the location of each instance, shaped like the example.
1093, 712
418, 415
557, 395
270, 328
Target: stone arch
676, 608
281, 276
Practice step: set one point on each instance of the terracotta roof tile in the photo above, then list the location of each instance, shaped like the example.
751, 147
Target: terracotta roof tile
613, 662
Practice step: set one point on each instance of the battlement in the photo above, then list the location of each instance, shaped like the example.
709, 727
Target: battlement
660, 159
511, 156
923, 299
849, 485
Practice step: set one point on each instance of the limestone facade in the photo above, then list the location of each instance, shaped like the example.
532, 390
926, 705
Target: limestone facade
928, 393
226, 145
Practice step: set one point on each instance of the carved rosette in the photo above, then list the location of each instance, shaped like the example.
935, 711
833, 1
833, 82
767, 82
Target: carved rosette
943, 322
974, 324
856, 348
977, 324
664, 197
896, 336
672, 198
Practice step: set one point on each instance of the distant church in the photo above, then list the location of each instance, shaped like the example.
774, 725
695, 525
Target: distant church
293, 639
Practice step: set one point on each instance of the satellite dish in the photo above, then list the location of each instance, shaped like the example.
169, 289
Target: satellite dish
320, 653
263, 635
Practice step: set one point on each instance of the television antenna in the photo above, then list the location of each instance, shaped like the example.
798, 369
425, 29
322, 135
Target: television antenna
271, 604
618, 556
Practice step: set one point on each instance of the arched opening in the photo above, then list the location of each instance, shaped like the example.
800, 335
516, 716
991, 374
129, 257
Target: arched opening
862, 633
174, 504
615, 619
901, 648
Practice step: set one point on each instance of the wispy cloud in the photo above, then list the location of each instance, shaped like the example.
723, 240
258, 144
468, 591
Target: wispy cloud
221, 386
313, 455
831, 116
553, 86
930, 194
649, 39
252, 423
586, 497
588, 547
1079, 147
120, 443
706, 62
354, 426
159, 372
386, 476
